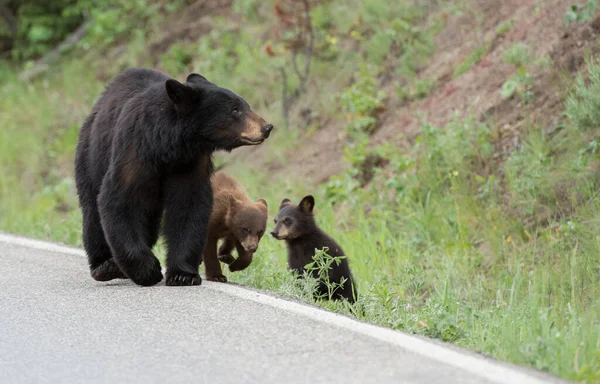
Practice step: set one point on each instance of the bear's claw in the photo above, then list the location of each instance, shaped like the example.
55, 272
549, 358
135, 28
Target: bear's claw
218, 278
183, 279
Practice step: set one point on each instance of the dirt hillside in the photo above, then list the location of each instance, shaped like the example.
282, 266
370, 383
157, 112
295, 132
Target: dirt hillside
477, 92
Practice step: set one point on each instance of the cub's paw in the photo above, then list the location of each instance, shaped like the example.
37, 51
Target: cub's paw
107, 271
178, 279
226, 258
147, 274
217, 278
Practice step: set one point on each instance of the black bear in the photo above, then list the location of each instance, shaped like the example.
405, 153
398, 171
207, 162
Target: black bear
144, 161
238, 220
296, 225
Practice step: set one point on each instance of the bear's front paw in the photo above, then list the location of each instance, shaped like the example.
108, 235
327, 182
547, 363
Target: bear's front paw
147, 275
226, 258
217, 278
107, 271
179, 279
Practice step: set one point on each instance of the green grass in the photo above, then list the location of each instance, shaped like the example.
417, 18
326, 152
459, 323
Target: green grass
446, 241
471, 60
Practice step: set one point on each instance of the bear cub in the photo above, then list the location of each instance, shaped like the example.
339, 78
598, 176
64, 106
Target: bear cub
144, 157
296, 225
238, 220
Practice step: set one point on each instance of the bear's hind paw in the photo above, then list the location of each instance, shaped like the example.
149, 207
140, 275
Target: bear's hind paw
217, 278
107, 271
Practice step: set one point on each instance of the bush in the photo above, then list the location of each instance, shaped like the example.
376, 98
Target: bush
583, 104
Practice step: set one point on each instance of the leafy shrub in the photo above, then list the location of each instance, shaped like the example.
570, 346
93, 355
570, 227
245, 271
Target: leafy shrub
583, 104
361, 100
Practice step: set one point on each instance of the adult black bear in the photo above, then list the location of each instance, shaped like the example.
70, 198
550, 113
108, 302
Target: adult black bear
144, 150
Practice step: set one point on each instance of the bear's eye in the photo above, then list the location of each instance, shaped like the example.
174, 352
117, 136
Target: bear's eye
245, 230
275, 221
260, 233
287, 221
236, 112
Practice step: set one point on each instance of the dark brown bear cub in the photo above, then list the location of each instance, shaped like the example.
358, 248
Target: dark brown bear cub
144, 157
238, 220
296, 225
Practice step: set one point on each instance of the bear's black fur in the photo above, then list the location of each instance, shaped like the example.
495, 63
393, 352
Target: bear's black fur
296, 225
144, 157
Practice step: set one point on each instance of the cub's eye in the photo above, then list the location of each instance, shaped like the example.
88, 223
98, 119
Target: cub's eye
275, 221
245, 230
287, 221
260, 233
236, 112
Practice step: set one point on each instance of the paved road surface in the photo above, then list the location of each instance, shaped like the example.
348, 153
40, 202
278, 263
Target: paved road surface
57, 325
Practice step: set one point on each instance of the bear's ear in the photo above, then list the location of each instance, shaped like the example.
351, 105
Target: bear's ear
178, 93
195, 78
307, 204
284, 202
262, 205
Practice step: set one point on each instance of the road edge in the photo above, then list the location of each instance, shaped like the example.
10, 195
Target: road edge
480, 365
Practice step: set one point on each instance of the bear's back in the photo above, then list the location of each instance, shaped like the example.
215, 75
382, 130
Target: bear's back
224, 185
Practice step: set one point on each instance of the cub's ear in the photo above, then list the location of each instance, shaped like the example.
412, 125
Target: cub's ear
307, 204
233, 202
195, 78
179, 93
284, 202
263, 205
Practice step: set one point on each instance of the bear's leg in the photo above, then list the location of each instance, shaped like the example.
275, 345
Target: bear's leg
243, 261
130, 219
212, 266
102, 265
188, 204
224, 254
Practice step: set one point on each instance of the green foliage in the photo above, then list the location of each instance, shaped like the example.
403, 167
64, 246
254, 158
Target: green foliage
41, 24
580, 13
518, 55
471, 60
505, 27
583, 104
520, 83
360, 100
319, 268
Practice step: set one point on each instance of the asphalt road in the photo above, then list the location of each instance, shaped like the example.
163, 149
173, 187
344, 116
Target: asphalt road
57, 325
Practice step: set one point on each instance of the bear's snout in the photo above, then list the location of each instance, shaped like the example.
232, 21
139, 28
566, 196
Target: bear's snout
266, 130
274, 234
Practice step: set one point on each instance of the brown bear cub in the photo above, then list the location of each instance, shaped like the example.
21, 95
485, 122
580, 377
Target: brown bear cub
296, 225
236, 219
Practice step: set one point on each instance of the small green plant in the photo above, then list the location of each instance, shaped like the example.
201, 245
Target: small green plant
583, 103
505, 27
580, 13
519, 56
518, 84
472, 59
361, 100
319, 268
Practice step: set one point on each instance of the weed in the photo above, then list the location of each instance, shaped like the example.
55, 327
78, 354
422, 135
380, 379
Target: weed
580, 13
519, 56
583, 103
472, 59
505, 27
361, 100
